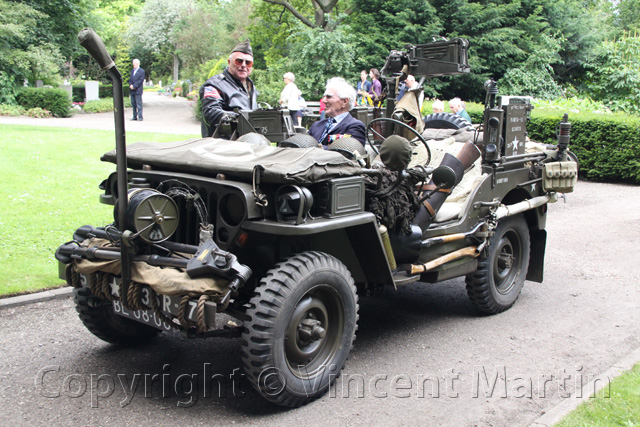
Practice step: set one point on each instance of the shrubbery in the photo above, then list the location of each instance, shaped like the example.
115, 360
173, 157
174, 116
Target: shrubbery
608, 146
102, 105
11, 110
54, 100
104, 91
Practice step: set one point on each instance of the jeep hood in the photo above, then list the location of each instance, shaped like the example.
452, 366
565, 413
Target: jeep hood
234, 159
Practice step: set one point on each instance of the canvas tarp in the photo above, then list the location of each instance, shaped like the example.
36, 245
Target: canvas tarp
209, 157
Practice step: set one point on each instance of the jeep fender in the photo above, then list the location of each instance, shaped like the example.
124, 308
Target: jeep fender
353, 239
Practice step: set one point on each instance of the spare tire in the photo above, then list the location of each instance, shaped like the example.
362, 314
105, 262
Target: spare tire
445, 121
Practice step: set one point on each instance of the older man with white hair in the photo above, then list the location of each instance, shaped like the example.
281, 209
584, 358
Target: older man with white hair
339, 98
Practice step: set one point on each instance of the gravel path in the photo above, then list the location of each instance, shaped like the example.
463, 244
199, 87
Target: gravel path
162, 114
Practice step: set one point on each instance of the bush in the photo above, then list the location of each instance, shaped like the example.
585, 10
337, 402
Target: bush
102, 105
54, 100
185, 88
11, 110
38, 113
607, 146
104, 91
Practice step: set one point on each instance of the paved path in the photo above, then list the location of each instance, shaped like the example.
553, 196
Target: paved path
162, 114
423, 354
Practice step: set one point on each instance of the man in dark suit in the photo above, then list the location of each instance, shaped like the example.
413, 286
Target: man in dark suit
135, 85
339, 98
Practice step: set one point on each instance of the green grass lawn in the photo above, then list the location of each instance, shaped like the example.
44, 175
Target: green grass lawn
620, 408
49, 181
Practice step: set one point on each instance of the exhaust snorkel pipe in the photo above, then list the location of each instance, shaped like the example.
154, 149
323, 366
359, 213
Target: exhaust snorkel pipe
96, 48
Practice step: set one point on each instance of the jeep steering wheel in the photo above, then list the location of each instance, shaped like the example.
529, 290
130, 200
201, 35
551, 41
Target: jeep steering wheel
395, 122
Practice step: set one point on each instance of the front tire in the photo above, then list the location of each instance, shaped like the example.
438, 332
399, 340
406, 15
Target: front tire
495, 286
98, 317
303, 319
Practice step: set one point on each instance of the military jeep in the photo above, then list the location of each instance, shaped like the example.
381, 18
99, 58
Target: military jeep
282, 241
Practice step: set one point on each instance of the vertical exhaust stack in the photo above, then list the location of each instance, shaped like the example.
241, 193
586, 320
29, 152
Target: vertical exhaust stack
444, 178
96, 48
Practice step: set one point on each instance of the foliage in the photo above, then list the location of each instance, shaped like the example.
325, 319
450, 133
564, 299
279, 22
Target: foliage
608, 146
534, 77
382, 25
614, 74
153, 29
211, 30
319, 55
11, 110
23, 55
626, 17
38, 113
272, 30
42, 208
65, 18
55, 100
104, 91
102, 105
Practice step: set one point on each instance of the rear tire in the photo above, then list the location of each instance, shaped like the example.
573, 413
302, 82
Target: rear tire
303, 319
98, 317
495, 286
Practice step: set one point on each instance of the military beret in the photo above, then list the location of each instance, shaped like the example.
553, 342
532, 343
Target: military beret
244, 47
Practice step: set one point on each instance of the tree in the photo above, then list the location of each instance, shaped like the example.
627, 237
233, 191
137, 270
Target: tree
209, 30
154, 29
613, 74
65, 18
322, 11
22, 55
382, 25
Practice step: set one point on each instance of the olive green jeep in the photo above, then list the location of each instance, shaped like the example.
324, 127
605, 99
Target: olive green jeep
280, 241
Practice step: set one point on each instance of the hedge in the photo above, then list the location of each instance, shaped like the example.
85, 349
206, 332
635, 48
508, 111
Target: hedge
607, 145
54, 100
104, 91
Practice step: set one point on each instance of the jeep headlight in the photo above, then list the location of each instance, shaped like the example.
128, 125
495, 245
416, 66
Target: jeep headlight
293, 203
151, 215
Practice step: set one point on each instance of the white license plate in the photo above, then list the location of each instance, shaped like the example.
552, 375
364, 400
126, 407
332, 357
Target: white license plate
148, 317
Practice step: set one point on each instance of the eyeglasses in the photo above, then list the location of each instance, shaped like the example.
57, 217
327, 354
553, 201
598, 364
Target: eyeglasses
239, 62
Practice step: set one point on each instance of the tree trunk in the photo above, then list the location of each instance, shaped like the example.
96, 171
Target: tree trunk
176, 65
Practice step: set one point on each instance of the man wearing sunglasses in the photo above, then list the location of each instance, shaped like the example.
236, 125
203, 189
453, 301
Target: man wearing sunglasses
229, 90
339, 98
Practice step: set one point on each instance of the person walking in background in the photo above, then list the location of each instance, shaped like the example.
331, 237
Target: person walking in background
290, 96
323, 107
456, 106
438, 106
363, 89
135, 86
339, 97
376, 87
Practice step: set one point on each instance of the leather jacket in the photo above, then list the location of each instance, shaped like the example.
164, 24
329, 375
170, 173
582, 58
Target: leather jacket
223, 93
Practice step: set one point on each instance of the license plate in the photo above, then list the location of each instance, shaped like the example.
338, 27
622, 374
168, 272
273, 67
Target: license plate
169, 305
147, 317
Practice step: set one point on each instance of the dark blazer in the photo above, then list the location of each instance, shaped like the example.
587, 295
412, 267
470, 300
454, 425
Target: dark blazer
136, 81
350, 126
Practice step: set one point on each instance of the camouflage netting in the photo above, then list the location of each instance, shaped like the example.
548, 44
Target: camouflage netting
394, 208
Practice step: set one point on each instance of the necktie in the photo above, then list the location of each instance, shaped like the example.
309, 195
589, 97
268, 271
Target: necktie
330, 122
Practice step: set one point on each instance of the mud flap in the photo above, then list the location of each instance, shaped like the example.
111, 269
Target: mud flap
536, 259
